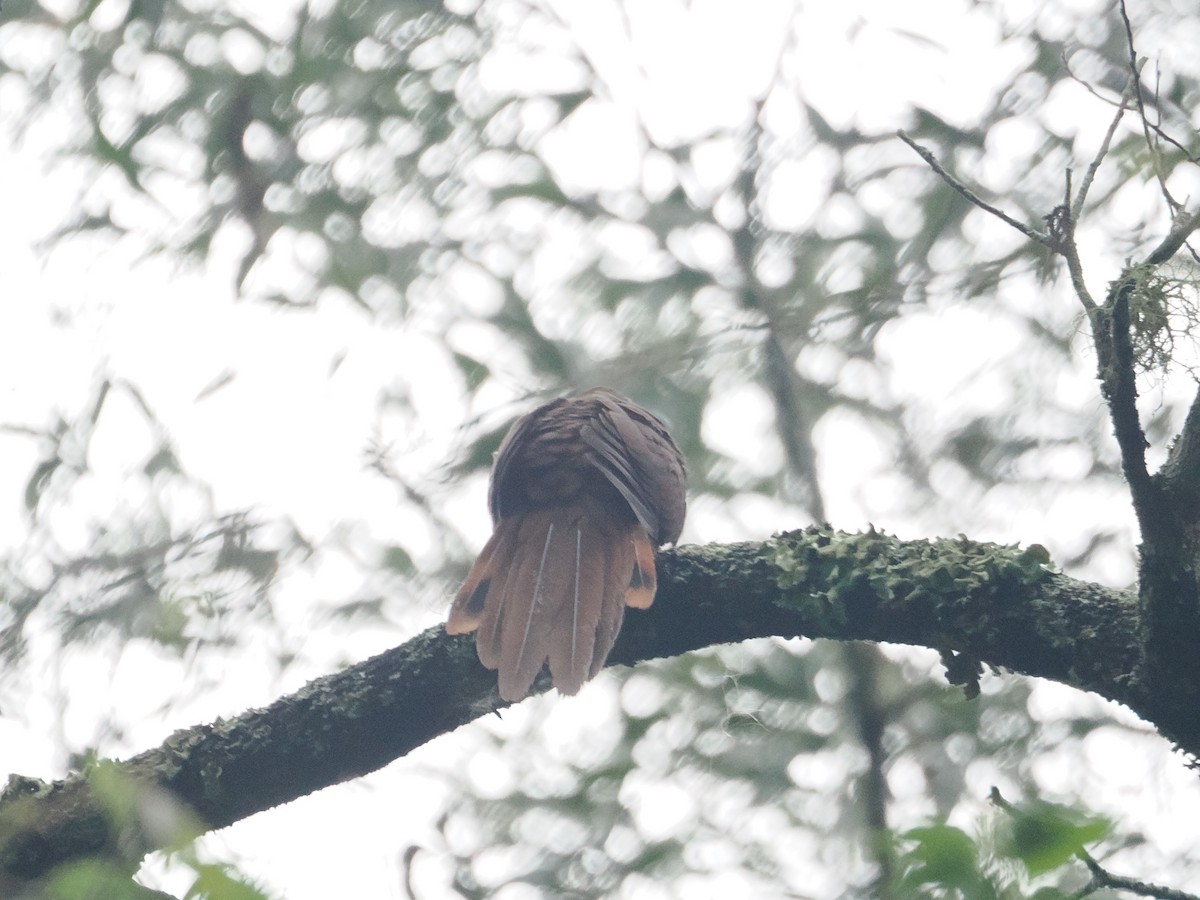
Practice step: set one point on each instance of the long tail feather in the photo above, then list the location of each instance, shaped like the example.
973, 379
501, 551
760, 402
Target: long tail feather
551, 586
527, 608
575, 637
516, 674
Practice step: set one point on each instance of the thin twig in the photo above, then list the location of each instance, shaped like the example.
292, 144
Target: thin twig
1060, 225
1031, 233
1066, 62
1135, 69
1185, 223
1178, 145
1063, 219
1075, 268
1060, 237
1102, 878
1090, 174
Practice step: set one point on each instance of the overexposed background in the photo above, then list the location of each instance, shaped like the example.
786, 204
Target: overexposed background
280, 410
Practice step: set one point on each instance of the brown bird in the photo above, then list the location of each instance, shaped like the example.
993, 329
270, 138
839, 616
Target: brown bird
582, 492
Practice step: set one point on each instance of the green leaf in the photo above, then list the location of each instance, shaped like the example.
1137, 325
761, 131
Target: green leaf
1046, 836
92, 879
944, 855
221, 882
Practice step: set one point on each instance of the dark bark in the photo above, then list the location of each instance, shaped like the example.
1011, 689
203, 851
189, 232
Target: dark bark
993, 604
1134, 316
1168, 517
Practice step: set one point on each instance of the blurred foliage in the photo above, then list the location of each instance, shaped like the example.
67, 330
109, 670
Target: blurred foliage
747, 767
372, 151
377, 153
946, 861
161, 564
399, 158
133, 810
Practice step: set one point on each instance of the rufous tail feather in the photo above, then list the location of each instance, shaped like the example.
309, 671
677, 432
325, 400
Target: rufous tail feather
551, 587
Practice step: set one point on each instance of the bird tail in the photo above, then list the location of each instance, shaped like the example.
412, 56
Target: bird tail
551, 586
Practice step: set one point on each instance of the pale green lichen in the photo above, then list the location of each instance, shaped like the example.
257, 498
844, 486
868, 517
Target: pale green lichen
839, 567
1164, 307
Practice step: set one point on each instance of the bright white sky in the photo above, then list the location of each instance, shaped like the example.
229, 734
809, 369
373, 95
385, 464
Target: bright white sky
287, 436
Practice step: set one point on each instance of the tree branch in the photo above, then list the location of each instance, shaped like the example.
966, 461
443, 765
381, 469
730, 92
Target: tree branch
1169, 591
1060, 233
1090, 175
1118, 383
1032, 233
1102, 878
1180, 474
1135, 71
997, 604
1185, 224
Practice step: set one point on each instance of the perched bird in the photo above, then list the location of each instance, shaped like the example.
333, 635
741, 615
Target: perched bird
582, 491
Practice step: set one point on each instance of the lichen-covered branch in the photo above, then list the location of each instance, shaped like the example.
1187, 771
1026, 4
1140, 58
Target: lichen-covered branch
1131, 329
1000, 605
1168, 586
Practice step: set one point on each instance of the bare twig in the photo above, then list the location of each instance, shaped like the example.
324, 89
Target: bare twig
1135, 69
1102, 878
1178, 145
1032, 233
1090, 174
1060, 228
1060, 224
1070, 253
1084, 83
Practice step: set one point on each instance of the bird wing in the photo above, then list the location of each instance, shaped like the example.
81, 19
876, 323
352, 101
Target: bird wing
644, 467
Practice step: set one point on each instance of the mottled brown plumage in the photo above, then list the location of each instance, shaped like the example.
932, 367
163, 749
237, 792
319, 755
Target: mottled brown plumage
582, 492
